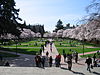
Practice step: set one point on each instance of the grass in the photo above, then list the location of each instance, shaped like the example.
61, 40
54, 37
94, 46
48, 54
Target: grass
31, 51
93, 45
67, 43
8, 55
74, 45
36, 44
28, 44
77, 49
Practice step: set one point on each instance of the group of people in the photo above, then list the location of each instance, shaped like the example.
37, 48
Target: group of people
41, 60
92, 61
69, 59
74, 56
42, 47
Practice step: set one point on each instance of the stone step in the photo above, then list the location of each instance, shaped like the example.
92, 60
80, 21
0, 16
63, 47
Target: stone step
47, 71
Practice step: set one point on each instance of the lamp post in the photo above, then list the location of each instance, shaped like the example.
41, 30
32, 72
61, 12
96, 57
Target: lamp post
16, 47
83, 38
83, 47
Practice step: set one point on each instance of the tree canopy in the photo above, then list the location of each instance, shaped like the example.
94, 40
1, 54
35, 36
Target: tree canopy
59, 25
8, 18
94, 10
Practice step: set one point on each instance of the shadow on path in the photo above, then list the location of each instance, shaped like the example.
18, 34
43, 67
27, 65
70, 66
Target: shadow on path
73, 71
96, 73
63, 68
77, 72
80, 64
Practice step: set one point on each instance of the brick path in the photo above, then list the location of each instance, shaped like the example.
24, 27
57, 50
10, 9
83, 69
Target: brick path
88, 53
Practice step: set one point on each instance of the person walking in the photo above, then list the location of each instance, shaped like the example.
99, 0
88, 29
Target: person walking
64, 55
42, 47
50, 61
94, 60
1, 57
51, 49
88, 62
63, 51
47, 53
51, 46
43, 61
76, 57
58, 60
69, 61
94, 57
40, 51
38, 60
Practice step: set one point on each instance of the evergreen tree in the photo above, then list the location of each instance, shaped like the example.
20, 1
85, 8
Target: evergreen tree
59, 25
42, 31
8, 18
68, 26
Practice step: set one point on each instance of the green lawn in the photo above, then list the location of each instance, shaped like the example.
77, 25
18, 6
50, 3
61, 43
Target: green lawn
77, 49
74, 45
31, 51
36, 44
67, 43
26, 44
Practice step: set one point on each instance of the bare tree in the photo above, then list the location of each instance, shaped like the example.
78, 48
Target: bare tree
94, 11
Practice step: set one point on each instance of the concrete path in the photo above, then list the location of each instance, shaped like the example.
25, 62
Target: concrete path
48, 71
53, 53
23, 60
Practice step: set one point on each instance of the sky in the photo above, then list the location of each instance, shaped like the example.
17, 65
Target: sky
48, 12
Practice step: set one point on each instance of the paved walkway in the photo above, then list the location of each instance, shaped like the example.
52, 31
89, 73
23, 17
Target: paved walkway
53, 53
23, 61
46, 71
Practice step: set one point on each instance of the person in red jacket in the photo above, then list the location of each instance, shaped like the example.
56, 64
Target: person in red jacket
58, 60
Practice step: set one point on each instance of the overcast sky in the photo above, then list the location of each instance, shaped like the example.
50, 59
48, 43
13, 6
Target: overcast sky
48, 12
